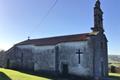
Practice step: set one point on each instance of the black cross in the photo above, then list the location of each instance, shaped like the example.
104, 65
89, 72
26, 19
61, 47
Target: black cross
79, 52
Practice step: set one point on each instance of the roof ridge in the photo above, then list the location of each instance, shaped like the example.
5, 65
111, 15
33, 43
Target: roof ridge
59, 36
56, 39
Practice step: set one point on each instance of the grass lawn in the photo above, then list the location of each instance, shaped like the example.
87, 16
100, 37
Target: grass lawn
6, 74
114, 76
114, 64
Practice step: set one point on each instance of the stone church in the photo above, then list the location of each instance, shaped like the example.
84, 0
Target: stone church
80, 54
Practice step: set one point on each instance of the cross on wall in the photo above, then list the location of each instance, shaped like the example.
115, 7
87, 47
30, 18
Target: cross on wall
79, 53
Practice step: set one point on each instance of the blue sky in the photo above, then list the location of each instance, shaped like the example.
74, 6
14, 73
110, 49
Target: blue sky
22, 18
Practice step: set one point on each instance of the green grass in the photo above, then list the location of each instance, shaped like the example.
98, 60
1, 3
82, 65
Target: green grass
114, 64
6, 74
114, 76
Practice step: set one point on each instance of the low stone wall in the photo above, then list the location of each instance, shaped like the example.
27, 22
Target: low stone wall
117, 69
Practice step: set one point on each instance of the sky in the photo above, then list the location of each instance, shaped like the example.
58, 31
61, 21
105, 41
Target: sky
22, 18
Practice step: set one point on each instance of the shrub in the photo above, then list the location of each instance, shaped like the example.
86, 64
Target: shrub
113, 69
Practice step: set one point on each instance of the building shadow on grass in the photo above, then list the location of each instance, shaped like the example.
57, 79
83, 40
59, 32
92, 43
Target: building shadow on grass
3, 76
55, 76
115, 77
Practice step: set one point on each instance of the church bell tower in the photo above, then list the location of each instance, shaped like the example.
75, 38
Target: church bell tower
98, 18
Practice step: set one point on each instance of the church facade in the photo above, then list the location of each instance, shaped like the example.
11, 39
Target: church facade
80, 54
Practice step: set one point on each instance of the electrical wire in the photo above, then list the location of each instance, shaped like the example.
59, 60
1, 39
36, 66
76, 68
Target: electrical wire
46, 14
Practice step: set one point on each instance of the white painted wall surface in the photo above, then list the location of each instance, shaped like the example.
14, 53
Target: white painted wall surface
44, 57
68, 55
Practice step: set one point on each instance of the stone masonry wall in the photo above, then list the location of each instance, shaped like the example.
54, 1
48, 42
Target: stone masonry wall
44, 58
67, 52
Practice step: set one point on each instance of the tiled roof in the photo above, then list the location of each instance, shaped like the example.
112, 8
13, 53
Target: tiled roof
55, 40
